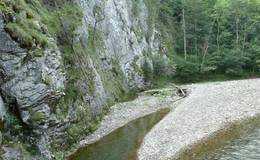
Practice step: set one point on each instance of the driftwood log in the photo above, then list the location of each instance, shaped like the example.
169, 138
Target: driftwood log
182, 92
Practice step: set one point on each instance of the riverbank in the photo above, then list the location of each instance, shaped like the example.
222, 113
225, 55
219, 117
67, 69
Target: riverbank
122, 113
209, 108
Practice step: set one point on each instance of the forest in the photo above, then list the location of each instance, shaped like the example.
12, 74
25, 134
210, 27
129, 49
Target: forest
206, 39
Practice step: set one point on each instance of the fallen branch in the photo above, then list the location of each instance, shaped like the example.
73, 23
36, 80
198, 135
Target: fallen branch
181, 92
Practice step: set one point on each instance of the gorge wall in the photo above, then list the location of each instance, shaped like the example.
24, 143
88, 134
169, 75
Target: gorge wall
55, 95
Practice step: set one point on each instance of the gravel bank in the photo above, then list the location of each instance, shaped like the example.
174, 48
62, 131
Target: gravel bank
123, 113
209, 108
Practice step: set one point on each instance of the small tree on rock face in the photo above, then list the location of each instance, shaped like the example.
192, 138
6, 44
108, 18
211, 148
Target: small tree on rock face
147, 70
162, 66
98, 12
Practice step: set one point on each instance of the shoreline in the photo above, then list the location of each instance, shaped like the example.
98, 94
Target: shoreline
208, 110
122, 113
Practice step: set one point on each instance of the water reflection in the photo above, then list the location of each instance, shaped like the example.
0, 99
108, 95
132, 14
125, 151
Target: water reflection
123, 143
246, 147
239, 141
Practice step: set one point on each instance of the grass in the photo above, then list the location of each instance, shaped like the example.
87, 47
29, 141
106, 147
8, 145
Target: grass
5, 7
95, 39
35, 21
135, 7
20, 34
160, 82
26, 29
37, 116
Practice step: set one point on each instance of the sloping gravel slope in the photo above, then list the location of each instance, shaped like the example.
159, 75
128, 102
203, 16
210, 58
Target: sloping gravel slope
209, 108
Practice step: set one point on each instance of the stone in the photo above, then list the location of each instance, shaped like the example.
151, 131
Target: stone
2, 109
24, 84
11, 154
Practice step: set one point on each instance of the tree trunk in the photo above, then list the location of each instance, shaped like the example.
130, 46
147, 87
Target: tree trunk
184, 31
196, 39
218, 34
244, 38
206, 46
237, 32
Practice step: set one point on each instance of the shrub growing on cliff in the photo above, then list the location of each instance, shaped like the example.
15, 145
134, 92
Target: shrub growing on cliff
147, 70
23, 23
163, 66
5, 7
135, 7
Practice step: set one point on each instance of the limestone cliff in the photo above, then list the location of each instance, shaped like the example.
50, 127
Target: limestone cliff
57, 100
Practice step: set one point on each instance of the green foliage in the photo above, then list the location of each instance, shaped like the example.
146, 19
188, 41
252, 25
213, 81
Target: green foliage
222, 36
6, 7
232, 64
162, 66
147, 70
26, 28
152, 6
37, 116
19, 33
187, 71
62, 23
161, 93
135, 7
160, 82
34, 21
38, 53
95, 39
69, 18
12, 121
98, 12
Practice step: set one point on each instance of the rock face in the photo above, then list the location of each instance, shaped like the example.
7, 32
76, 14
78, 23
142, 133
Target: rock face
123, 48
120, 42
2, 109
31, 86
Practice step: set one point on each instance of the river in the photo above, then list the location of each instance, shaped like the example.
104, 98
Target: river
122, 144
246, 147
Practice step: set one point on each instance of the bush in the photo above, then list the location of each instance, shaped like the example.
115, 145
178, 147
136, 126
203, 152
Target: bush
135, 7
187, 71
26, 28
163, 66
147, 70
232, 63
20, 34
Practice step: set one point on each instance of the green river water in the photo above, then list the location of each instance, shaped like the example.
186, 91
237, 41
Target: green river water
240, 141
121, 144
246, 147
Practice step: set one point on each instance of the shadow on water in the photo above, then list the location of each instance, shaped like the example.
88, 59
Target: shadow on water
122, 144
239, 141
